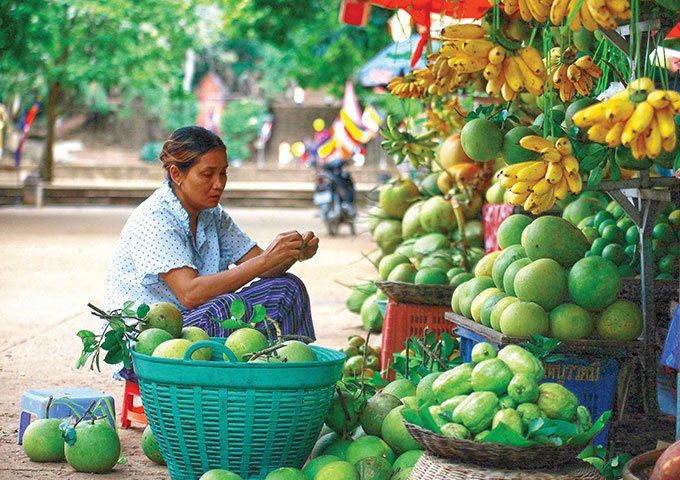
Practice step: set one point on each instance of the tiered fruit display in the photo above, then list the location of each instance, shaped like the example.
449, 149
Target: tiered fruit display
590, 14
614, 236
363, 360
541, 284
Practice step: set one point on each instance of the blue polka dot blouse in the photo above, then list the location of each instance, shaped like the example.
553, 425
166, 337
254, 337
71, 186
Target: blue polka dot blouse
157, 238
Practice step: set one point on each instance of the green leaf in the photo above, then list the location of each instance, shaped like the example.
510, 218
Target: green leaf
583, 437
449, 345
238, 309
595, 176
535, 425
573, 131
114, 356
615, 170
411, 415
229, 324
111, 338
426, 416
259, 314
506, 435
142, 310
128, 305
85, 334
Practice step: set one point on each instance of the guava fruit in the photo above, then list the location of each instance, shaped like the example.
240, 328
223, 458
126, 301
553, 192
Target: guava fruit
585, 421
621, 321
510, 274
316, 464
527, 412
450, 404
451, 152
482, 351
522, 319
556, 238
477, 411
456, 381
424, 388
505, 258
336, 419
455, 430
404, 272
485, 265
509, 417
521, 361
430, 276
430, 243
163, 315
396, 196
174, 348
43, 441
543, 281
376, 409
506, 401
96, 448
369, 446
437, 215
196, 334
491, 375
523, 388
557, 402
594, 283
371, 316
286, 473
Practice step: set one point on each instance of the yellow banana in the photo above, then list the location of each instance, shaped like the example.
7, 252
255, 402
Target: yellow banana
533, 200
575, 24
601, 14
449, 49
570, 164
532, 83
551, 154
511, 6
563, 145
517, 198
535, 143
541, 187
524, 11
638, 147
653, 140
512, 74
586, 63
668, 143
491, 71
496, 55
521, 187
642, 83
658, 99
479, 47
534, 60
621, 95
666, 122
554, 173
618, 110
617, 6
628, 135
590, 115
641, 117
613, 137
493, 86
567, 90
507, 92
511, 171
575, 182
466, 64
587, 18
573, 73
562, 187
598, 132
559, 75
533, 172
463, 30
584, 85
557, 11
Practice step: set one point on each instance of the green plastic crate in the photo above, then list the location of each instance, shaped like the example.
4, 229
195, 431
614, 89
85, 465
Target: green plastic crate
248, 418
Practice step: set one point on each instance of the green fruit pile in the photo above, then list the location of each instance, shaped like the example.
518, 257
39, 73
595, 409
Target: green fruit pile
541, 284
614, 236
363, 360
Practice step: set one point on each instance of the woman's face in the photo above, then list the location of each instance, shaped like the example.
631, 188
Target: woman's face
202, 185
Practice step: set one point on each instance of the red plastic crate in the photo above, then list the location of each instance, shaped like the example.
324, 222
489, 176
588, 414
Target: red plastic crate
404, 320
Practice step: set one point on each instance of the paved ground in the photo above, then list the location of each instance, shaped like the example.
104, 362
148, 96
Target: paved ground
53, 262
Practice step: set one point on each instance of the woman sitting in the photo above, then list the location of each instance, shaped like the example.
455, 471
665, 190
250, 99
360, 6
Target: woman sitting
178, 246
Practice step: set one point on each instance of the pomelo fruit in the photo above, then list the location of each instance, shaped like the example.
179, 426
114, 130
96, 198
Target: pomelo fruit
43, 441
96, 447
376, 409
196, 334
430, 243
149, 339
437, 215
424, 389
521, 319
395, 434
316, 464
375, 468
341, 470
388, 262
163, 315
295, 351
410, 223
286, 473
402, 474
510, 274
570, 322
481, 140
323, 442
396, 196
336, 418
478, 303
543, 281
173, 348
408, 459
451, 152
498, 309
488, 306
556, 238
460, 279
338, 448
438, 260
469, 291
512, 151
150, 447
387, 235
621, 321
400, 388
428, 186
219, 474
371, 316
504, 260
369, 446
245, 340
431, 276
485, 264
594, 283
510, 230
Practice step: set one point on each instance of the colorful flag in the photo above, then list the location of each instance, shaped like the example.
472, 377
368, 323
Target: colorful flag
28, 120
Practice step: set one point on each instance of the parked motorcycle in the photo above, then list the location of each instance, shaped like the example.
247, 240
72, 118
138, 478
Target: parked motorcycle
334, 194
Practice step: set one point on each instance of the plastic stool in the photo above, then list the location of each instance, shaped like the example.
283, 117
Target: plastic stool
65, 402
130, 411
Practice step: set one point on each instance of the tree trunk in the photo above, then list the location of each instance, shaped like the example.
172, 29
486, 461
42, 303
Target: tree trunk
47, 164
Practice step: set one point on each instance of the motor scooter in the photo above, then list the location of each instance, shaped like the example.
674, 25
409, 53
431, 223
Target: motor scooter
334, 194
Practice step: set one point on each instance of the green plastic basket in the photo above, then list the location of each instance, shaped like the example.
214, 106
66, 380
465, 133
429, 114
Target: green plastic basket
248, 418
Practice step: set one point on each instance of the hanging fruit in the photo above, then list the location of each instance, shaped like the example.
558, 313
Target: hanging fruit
405, 87
638, 117
590, 14
570, 74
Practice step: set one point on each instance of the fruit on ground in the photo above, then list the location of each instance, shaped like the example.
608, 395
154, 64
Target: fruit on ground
374, 468
510, 418
485, 266
369, 446
594, 283
370, 313
174, 348
498, 309
437, 215
476, 412
316, 464
396, 196
570, 322
196, 334
395, 434
557, 402
543, 281
336, 418
150, 447
407, 459
469, 290
245, 340
481, 140
424, 388
556, 238
621, 321
400, 388
219, 474
456, 381
149, 339
521, 361
96, 448
491, 375
163, 315
341, 470
510, 274
504, 260
376, 409
286, 473
295, 351
42, 440
510, 230
522, 319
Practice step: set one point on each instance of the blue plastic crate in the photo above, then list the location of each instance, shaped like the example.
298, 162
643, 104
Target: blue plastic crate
592, 380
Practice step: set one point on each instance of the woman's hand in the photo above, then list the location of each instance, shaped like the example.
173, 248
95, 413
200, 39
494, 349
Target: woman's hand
283, 251
310, 246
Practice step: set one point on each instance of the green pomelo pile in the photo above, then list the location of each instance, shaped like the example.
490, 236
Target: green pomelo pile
410, 223
504, 260
510, 274
556, 238
488, 306
621, 321
510, 230
437, 215
521, 319
543, 281
594, 283
478, 303
570, 322
469, 290
498, 309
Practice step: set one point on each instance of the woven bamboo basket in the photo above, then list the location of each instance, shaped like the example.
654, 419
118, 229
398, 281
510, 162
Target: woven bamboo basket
431, 467
404, 292
494, 455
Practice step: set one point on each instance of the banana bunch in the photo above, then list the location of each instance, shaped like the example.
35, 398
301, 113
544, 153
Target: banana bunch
405, 87
418, 148
638, 117
570, 74
592, 14
538, 184
506, 71
438, 78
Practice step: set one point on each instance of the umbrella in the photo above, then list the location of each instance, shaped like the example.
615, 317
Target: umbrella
393, 61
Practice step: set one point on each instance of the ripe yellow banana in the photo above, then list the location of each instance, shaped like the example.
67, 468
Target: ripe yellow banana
618, 110
496, 55
562, 187
575, 24
653, 140
598, 132
534, 60
668, 143
551, 154
658, 99
491, 71
507, 92
613, 137
463, 30
478, 47
570, 164
638, 147
524, 11
517, 198
586, 63
628, 135
535, 143
542, 186
522, 187
545, 203
590, 115
512, 74
575, 182
641, 117
494, 85
563, 145
554, 173
533, 200
642, 83
532, 83
511, 171
533, 172
467, 64
557, 11
666, 122
587, 18
573, 73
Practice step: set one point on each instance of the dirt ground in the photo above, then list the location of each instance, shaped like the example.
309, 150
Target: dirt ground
54, 261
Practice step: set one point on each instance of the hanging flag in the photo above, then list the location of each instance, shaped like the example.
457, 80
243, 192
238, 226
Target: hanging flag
26, 126
371, 119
